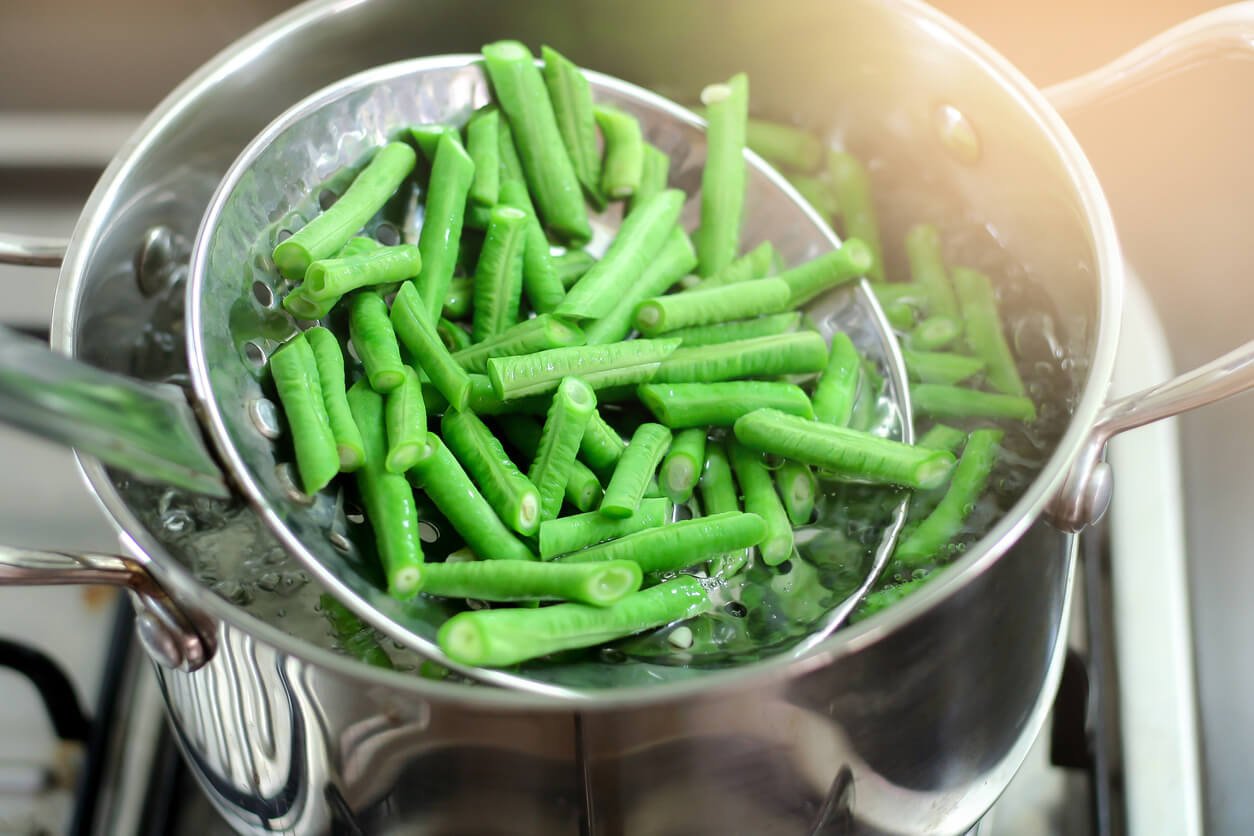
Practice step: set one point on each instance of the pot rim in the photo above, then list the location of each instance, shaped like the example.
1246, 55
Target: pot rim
183, 587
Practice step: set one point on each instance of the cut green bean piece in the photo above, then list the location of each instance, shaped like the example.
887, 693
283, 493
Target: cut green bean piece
297, 380
942, 437
636, 467
821, 274
984, 335
602, 446
745, 329
784, 145
406, 419
940, 401
427, 137
481, 399
451, 176
720, 304
326, 234
501, 637
510, 493
719, 495
574, 404
527, 337
583, 489
333, 277
451, 490
598, 584
803, 352
758, 263
329, 360
886, 596
511, 166
935, 332
817, 192
550, 174
857, 208
387, 497
930, 537
678, 545
851, 454
414, 327
457, 303
725, 174
682, 466
798, 489
761, 499
375, 341
483, 144
927, 268
572, 106
687, 405
568, 534
571, 265
498, 276
909, 293
675, 260
353, 634
939, 367
300, 302
640, 238
899, 315
837, 389
654, 176
623, 165
541, 283
615, 364
453, 336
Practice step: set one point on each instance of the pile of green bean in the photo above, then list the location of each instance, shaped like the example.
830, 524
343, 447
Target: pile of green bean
554, 407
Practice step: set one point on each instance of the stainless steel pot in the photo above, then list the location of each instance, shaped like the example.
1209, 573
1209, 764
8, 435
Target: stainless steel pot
910, 722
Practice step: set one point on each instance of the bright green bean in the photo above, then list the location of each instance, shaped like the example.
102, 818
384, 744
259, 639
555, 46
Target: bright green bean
623, 165
583, 489
935, 332
817, 192
857, 208
598, 584
511, 166
955, 402
406, 419
527, 337
798, 489
837, 389
850, 453
682, 466
802, 352
451, 176
671, 264
678, 545
326, 234
725, 174
375, 341
507, 636
758, 263
720, 496
687, 405
910, 293
745, 329
541, 283
821, 274
450, 490
942, 437
510, 493
784, 145
760, 498
329, 360
602, 446
899, 315
574, 404
333, 277
571, 533
522, 96
984, 332
640, 238
300, 302
720, 304
635, 468
481, 399
498, 276
427, 137
572, 107
414, 327
453, 336
927, 268
457, 303
654, 176
297, 380
938, 367
354, 635
930, 537
483, 144
571, 265
599, 366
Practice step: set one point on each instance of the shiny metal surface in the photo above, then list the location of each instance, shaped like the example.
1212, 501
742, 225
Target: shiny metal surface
32, 250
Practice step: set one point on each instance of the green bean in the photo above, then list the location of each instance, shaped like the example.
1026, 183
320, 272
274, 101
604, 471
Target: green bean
427, 137
899, 315
938, 367
935, 332
300, 302
755, 264
574, 404
550, 174
297, 380
670, 265
654, 176
527, 337
817, 192
583, 489
329, 360
453, 336
623, 165
798, 489
353, 634
942, 437
451, 176
375, 341
510, 493
413, 326
640, 238
387, 497
954, 402
599, 366
540, 281
703, 307
784, 145
725, 174
886, 596
457, 303
511, 166
326, 234
857, 209
406, 419
837, 389
507, 636
945, 523
676, 546
760, 498
498, 277
745, 329
602, 446
635, 468
333, 277
803, 352
572, 106
598, 584
909, 293
927, 268
483, 144
852, 454
687, 405
481, 399
571, 265
568, 534
983, 330
719, 496
450, 490
682, 466
821, 274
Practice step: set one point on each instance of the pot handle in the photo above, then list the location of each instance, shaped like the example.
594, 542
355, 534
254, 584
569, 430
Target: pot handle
1223, 32
32, 250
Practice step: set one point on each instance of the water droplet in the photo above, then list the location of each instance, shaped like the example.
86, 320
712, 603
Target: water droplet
269, 581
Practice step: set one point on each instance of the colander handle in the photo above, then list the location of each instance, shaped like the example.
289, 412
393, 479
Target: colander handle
32, 250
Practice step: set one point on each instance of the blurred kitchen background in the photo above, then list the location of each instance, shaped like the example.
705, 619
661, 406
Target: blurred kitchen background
78, 75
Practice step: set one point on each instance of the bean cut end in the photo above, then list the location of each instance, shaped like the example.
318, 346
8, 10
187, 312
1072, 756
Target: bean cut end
404, 456
614, 582
405, 583
528, 514
715, 93
463, 641
386, 380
